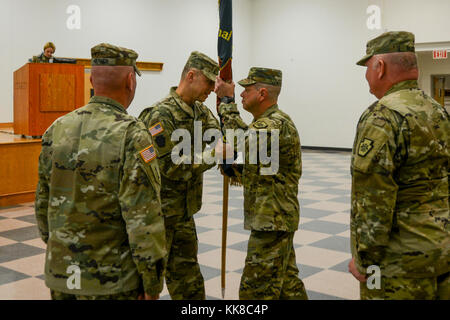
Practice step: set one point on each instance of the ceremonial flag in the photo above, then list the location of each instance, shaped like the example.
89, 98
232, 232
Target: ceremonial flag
225, 40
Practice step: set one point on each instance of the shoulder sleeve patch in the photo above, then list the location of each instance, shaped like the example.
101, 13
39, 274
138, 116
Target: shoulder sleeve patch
161, 141
260, 125
156, 129
364, 147
148, 154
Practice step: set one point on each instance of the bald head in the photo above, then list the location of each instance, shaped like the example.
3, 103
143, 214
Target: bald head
115, 82
110, 78
388, 69
400, 62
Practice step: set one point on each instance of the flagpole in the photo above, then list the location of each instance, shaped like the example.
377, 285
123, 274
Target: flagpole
224, 232
224, 48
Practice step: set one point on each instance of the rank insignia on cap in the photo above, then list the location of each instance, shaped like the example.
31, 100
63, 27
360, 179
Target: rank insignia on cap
364, 147
157, 128
148, 154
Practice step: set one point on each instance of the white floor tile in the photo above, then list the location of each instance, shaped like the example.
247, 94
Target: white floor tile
334, 283
32, 266
329, 206
340, 217
304, 237
318, 257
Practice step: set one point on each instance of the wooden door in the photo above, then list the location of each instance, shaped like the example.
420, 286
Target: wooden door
439, 89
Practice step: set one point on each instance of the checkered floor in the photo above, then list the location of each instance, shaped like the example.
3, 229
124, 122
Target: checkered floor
322, 243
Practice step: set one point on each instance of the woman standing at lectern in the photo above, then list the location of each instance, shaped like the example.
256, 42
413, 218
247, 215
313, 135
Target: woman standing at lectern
47, 55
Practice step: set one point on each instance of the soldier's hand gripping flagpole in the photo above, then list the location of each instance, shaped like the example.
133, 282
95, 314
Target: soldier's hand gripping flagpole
224, 47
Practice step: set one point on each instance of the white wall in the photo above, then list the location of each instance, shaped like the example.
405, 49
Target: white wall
428, 19
6, 87
315, 42
159, 30
429, 67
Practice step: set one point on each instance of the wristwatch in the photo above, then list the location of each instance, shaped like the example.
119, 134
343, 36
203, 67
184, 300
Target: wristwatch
227, 100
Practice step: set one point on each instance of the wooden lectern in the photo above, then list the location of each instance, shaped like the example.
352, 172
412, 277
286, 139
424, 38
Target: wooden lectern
44, 92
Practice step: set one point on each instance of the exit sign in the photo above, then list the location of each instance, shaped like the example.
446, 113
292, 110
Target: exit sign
439, 54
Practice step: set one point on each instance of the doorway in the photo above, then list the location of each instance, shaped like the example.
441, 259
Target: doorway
441, 89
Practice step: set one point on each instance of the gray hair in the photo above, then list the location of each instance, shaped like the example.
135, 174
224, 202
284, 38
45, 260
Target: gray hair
404, 61
273, 91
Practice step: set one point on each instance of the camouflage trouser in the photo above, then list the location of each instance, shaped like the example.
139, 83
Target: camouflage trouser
270, 271
409, 289
130, 295
182, 273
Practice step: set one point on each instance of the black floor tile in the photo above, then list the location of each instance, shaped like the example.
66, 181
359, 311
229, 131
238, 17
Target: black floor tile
306, 271
324, 227
8, 275
18, 251
22, 234
30, 219
312, 295
333, 243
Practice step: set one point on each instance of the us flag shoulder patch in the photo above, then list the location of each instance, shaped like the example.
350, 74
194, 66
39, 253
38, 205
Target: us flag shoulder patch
157, 128
148, 154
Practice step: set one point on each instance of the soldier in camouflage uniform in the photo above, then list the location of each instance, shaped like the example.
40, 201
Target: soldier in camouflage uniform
47, 55
182, 183
271, 207
400, 185
97, 201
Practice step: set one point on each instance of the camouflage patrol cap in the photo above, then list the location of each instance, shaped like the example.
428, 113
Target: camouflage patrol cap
105, 54
50, 45
262, 75
205, 64
388, 42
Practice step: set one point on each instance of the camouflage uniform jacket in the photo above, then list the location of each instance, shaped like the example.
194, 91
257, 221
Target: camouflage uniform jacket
270, 201
182, 183
40, 59
97, 202
400, 188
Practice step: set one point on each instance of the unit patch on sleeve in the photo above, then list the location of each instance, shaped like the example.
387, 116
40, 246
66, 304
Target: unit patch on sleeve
260, 125
157, 128
364, 147
148, 154
160, 141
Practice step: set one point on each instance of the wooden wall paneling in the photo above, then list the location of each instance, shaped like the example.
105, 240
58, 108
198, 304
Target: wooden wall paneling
18, 169
87, 86
6, 125
143, 66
